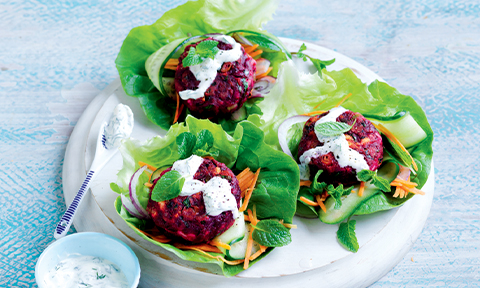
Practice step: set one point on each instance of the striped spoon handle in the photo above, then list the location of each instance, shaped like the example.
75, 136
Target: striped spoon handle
67, 219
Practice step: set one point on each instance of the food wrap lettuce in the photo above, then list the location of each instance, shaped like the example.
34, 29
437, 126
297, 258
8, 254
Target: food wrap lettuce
275, 193
193, 18
297, 93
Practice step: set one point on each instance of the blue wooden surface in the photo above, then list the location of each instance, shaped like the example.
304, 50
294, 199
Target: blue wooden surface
55, 56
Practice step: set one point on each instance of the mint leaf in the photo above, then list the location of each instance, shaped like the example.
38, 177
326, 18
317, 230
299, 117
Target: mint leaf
337, 194
204, 140
168, 187
186, 142
192, 58
320, 187
300, 54
207, 49
346, 235
320, 64
333, 128
271, 233
372, 177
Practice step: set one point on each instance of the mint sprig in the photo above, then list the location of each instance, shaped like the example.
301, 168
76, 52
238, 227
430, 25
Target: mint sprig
346, 235
333, 128
372, 177
168, 187
319, 64
200, 144
271, 233
196, 55
337, 193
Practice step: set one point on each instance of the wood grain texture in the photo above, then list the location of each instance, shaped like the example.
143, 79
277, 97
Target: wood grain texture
56, 55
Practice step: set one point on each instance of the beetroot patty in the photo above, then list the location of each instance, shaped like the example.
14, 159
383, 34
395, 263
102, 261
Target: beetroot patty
185, 217
363, 137
230, 89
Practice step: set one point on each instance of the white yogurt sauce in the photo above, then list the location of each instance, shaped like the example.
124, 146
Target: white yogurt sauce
206, 71
119, 127
217, 194
85, 271
338, 145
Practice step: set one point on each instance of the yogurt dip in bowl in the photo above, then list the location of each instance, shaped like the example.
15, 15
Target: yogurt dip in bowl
87, 259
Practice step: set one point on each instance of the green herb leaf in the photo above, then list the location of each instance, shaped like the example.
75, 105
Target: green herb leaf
337, 194
372, 177
300, 54
204, 140
320, 64
207, 49
186, 143
168, 187
115, 188
346, 235
100, 276
245, 84
192, 58
271, 233
333, 128
320, 187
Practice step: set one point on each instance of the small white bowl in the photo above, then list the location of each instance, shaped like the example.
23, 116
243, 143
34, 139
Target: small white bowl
89, 244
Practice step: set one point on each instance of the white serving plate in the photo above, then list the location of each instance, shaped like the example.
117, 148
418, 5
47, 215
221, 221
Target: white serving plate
313, 258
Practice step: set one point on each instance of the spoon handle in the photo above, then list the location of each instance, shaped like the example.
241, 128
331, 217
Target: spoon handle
67, 219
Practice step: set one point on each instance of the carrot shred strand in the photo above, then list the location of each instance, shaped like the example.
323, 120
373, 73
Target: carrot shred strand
249, 192
313, 113
256, 53
360, 190
308, 202
343, 100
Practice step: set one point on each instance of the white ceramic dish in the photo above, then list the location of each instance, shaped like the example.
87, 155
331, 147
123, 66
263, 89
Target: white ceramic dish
314, 255
89, 244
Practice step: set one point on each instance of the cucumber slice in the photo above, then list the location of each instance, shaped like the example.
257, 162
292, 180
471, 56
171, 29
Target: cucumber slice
157, 60
406, 129
236, 231
238, 249
157, 173
351, 202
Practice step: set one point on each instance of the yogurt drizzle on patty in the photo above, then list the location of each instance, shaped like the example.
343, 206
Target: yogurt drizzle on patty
217, 192
338, 145
206, 71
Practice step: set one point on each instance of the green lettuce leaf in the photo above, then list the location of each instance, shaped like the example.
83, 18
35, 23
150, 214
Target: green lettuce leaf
277, 186
193, 18
297, 93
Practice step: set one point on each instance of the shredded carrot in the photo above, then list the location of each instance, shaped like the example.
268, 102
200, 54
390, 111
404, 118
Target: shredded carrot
249, 250
320, 203
249, 192
263, 248
319, 104
149, 185
220, 244
313, 113
150, 167
255, 214
255, 256
203, 247
406, 183
246, 218
208, 157
264, 74
392, 137
306, 183
158, 238
179, 109
251, 48
398, 191
353, 191
256, 53
308, 202
245, 171
252, 217
343, 100
172, 62
360, 190
170, 67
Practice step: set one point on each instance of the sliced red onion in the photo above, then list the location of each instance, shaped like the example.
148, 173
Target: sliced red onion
133, 191
263, 86
283, 131
404, 173
262, 66
127, 204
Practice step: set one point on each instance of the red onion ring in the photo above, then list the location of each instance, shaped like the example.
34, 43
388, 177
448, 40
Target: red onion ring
283, 131
133, 191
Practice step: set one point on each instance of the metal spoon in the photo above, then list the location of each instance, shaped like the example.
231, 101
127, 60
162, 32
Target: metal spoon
107, 145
